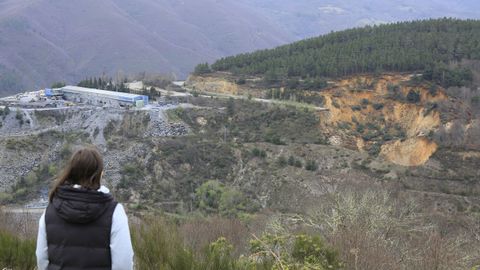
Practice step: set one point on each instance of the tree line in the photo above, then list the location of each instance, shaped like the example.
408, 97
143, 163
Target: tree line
430, 46
104, 84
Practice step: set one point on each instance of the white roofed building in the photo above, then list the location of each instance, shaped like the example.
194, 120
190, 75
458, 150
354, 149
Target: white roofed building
102, 97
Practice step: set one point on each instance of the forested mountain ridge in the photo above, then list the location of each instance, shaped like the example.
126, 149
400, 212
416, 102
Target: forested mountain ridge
429, 46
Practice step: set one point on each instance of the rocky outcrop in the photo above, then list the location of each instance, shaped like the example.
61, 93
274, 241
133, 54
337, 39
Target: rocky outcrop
25, 147
376, 114
411, 152
212, 84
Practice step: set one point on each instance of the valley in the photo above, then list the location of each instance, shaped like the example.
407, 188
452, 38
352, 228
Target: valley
338, 152
152, 164
273, 160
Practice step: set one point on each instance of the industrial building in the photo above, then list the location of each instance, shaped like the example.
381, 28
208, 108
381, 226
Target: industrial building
99, 97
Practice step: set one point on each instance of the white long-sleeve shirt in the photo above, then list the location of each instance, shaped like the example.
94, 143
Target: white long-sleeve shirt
120, 242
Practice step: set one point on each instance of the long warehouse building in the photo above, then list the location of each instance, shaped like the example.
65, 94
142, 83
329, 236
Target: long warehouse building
102, 97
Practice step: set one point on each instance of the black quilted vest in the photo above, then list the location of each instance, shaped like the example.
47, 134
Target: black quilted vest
79, 223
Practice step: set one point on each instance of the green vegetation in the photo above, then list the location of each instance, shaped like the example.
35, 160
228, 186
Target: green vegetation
394, 92
376, 148
254, 122
292, 161
19, 117
274, 138
448, 76
58, 85
214, 197
293, 94
16, 253
29, 144
413, 96
259, 153
427, 46
159, 245
311, 165
131, 174
365, 102
356, 108
241, 81
231, 107
4, 112
202, 69
174, 115
47, 117
26, 185
282, 161
377, 106
432, 90
104, 84
350, 230
155, 80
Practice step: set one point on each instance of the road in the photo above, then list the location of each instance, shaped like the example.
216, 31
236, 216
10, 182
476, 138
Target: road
270, 101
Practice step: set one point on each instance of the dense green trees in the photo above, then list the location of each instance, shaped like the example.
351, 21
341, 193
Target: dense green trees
202, 69
214, 197
58, 85
429, 45
413, 96
104, 84
446, 76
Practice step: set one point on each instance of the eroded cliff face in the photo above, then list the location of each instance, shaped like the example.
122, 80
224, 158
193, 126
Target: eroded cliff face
214, 85
411, 152
390, 115
375, 114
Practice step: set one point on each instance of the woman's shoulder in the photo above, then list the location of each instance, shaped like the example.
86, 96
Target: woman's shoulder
119, 211
104, 189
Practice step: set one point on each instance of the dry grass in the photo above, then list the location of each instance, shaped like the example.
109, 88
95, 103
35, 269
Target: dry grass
372, 231
199, 233
17, 242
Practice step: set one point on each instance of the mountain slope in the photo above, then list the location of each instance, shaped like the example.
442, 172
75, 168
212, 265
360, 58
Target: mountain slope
428, 46
308, 18
42, 41
365, 85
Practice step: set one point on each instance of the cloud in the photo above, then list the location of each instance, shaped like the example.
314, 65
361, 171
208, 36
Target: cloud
329, 9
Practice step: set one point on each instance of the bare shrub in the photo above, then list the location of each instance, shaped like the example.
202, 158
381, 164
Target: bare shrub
199, 233
372, 230
435, 251
20, 222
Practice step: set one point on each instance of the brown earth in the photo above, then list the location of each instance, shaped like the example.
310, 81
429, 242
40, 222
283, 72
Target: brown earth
351, 101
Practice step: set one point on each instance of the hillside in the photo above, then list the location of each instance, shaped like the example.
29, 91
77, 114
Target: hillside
402, 91
264, 168
310, 18
46, 41
372, 166
43, 41
430, 46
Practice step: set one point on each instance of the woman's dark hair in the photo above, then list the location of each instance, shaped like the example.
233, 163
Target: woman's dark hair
84, 168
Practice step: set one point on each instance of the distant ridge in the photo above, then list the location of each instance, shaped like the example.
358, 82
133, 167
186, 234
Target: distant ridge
44, 41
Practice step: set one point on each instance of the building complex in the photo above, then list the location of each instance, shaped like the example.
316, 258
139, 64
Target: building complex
98, 97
